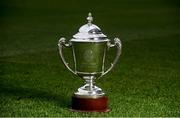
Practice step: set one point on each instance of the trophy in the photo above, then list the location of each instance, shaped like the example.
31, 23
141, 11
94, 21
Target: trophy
89, 47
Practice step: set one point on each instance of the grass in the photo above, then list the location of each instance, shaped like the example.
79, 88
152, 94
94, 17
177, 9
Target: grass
145, 82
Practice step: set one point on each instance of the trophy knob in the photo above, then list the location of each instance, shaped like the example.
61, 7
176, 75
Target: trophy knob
90, 19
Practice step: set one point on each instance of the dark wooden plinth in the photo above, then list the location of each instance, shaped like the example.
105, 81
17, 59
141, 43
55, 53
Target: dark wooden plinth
90, 104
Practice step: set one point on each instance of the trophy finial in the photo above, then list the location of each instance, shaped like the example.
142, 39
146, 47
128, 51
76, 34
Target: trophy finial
90, 19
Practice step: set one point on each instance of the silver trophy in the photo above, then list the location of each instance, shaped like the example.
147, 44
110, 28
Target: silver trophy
89, 47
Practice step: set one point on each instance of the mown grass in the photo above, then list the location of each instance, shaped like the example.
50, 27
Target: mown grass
145, 82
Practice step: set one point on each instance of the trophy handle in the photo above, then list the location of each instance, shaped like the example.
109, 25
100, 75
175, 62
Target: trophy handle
62, 43
117, 43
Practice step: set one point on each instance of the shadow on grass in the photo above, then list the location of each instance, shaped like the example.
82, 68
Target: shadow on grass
33, 94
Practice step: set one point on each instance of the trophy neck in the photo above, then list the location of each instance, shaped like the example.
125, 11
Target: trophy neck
89, 82
89, 90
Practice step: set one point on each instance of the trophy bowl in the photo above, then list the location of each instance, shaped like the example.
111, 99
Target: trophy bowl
89, 47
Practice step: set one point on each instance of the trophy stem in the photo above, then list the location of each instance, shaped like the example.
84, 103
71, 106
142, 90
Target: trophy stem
89, 82
89, 90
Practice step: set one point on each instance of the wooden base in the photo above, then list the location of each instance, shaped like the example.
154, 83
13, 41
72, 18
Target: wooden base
90, 104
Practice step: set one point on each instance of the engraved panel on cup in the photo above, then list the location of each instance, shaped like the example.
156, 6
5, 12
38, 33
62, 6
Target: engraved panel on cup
89, 56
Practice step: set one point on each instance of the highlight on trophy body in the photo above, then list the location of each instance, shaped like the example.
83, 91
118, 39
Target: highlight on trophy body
89, 47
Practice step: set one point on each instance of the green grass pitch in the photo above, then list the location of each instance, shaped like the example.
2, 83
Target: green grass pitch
145, 81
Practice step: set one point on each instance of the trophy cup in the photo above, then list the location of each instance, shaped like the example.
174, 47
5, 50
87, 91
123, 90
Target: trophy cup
89, 48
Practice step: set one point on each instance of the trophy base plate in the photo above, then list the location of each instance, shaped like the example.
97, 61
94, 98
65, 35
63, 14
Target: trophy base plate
90, 104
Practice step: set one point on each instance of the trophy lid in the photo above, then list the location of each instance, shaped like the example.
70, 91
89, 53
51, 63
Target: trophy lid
89, 31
